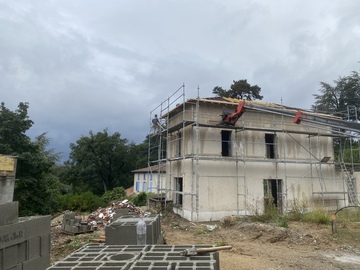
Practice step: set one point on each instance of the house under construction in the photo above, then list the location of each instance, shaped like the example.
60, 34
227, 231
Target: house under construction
232, 157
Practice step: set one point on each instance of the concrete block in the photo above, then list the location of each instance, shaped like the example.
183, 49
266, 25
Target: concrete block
22, 252
6, 189
12, 234
40, 263
45, 245
9, 213
123, 230
134, 257
36, 226
10, 257
16, 267
34, 247
1, 259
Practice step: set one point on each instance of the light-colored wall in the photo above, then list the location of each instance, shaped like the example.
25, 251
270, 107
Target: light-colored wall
226, 186
145, 182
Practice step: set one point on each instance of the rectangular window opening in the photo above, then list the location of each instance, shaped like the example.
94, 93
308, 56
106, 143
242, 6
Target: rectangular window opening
270, 145
273, 194
179, 190
226, 143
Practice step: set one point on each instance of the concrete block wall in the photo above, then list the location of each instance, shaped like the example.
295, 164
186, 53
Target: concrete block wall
123, 230
130, 257
25, 245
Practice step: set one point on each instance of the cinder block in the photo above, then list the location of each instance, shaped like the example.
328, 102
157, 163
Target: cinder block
6, 189
36, 226
135, 257
10, 257
123, 231
22, 252
45, 245
12, 234
16, 267
40, 263
1, 259
9, 213
34, 245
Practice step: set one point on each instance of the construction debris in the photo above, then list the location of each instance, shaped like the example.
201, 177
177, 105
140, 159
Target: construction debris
101, 217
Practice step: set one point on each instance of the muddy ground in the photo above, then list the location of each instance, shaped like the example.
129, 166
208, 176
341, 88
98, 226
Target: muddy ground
254, 245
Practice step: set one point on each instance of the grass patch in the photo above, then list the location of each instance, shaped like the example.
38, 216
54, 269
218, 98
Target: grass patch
318, 216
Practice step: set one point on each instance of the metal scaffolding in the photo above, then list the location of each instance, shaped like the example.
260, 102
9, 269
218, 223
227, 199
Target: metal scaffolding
189, 124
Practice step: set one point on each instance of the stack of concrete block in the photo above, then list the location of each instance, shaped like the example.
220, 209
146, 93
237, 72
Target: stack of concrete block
119, 213
123, 230
25, 244
128, 257
73, 225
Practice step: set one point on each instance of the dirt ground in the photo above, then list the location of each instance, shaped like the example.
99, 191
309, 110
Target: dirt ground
254, 245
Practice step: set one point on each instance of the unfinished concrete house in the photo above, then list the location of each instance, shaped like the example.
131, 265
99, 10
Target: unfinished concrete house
231, 157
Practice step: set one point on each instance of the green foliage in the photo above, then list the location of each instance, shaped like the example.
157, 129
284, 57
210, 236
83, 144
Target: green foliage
298, 206
270, 213
140, 199
318, 216
84, 202
36, 187
344, 94
282, 222
115, 194
239, 89
100, 162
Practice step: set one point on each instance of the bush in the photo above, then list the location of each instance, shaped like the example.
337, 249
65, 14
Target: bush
140, 199
116, 194
84, 202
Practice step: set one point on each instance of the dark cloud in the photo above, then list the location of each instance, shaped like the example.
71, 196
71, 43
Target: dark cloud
91, 65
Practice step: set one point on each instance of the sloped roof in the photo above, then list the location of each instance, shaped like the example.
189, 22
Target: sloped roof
154, 169
254, 103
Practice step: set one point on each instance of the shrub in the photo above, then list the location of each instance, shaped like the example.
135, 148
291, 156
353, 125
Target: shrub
84, 202
116, 194
140, 199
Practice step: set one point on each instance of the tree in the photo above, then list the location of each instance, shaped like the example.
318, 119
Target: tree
99, 163
35, 188
241, 90
338, 98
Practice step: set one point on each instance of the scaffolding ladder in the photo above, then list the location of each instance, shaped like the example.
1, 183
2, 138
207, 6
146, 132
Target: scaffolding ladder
349, 184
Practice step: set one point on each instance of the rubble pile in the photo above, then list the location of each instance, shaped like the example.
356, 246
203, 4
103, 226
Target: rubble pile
105, 215
97, 219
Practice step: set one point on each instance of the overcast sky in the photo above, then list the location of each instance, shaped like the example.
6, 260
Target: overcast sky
90, 65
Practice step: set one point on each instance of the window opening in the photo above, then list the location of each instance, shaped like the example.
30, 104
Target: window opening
226, 143
270, 145
273, 194
179, 190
